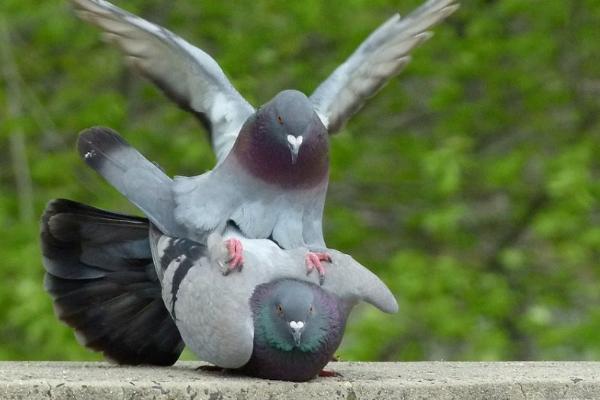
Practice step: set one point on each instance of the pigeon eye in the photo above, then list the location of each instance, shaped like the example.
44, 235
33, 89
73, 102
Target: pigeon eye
311, 310
279, 119
279, 310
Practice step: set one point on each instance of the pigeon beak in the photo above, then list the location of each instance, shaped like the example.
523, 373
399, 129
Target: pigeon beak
297, 329
294, 144
297, 336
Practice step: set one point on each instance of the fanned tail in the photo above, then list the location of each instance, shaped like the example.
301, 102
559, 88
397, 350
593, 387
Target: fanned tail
100, 274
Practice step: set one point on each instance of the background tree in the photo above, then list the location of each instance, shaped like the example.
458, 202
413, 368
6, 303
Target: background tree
470, 183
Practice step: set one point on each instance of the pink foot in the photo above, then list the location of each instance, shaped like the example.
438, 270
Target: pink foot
236, 258
313, 261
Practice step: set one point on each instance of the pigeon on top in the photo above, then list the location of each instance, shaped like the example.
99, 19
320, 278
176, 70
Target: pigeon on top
273, 183
138, 295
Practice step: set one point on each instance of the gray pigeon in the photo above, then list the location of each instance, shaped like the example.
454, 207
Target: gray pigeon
138, 295
272, 172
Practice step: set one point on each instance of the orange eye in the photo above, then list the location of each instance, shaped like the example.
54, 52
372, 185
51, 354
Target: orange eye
280, 120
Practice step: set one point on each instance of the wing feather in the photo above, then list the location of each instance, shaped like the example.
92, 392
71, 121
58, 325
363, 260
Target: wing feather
380, 57
186, 74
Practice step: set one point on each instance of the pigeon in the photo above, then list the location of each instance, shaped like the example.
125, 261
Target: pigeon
139, 296
272, 168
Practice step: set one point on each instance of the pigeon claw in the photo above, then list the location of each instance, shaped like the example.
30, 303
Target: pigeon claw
236, 258
313, 261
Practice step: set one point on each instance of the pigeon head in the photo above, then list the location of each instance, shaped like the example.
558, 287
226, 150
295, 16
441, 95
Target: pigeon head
297, 328
292, 122
285, 142
291, 310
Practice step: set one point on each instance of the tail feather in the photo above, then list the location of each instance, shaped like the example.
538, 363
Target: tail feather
136, 177
100, 275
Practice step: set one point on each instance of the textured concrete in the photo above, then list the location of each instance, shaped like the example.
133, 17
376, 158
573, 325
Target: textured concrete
426, 380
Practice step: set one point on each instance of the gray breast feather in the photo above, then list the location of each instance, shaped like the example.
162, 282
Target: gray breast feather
205, 203
213, 311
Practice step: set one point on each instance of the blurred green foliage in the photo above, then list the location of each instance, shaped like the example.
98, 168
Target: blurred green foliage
470, 184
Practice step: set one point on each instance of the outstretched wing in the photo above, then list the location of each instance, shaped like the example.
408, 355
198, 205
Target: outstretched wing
185, 73
381, 56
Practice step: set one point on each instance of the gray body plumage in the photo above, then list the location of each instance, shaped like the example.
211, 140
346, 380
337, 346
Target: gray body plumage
250, 187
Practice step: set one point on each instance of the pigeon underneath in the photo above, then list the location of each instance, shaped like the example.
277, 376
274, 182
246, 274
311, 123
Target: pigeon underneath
137, 295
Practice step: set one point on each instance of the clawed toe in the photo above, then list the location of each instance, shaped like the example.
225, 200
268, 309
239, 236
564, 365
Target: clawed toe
313, 261
236, 258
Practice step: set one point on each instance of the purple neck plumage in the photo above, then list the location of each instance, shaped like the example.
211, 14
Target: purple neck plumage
270, 160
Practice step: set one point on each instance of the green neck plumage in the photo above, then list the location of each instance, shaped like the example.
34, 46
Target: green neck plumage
267, 332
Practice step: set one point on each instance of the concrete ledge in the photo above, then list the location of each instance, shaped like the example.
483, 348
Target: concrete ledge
424, 380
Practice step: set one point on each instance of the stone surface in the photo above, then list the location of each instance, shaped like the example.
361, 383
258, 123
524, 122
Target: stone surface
422, 380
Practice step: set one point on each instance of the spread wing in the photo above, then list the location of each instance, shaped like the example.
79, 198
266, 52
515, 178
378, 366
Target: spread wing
186, 74
381, 56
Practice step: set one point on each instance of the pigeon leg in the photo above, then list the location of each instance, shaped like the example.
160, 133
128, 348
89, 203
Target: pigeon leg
236, 258
313, 261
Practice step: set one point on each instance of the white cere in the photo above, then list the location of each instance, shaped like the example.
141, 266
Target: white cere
296, 325
295, 141
89, 154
